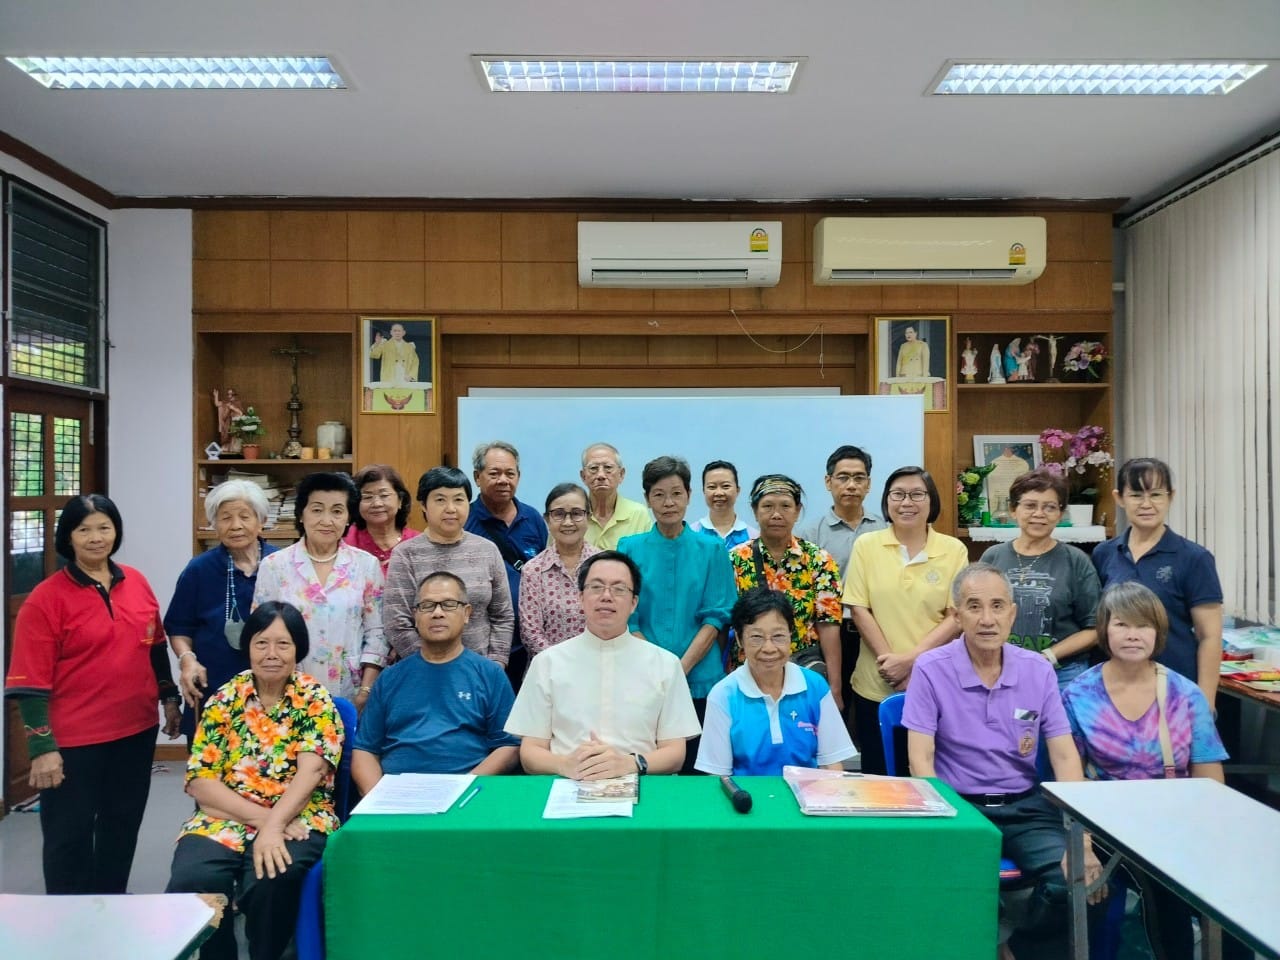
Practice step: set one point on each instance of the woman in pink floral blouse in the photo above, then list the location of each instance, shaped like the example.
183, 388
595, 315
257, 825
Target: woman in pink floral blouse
550, 608
261, 773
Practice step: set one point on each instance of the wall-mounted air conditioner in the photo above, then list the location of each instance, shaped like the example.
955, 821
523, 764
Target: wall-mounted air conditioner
735, 253
990, 250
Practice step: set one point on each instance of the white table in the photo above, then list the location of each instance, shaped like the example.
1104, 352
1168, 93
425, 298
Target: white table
1094, 534
1210, 845
160, 926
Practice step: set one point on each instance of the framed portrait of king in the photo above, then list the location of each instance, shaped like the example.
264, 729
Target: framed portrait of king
399, 364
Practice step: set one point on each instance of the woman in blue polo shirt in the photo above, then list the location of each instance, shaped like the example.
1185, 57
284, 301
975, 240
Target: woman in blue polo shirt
770, 713
1181, 573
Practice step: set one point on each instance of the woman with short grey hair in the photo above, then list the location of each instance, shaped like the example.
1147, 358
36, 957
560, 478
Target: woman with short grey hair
214, 595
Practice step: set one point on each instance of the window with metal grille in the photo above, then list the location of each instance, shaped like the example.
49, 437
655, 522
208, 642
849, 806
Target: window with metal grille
55, 291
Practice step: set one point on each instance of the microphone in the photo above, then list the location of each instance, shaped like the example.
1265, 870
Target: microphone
740, 799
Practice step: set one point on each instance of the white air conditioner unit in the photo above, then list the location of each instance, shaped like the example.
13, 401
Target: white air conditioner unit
734, 253
990, 250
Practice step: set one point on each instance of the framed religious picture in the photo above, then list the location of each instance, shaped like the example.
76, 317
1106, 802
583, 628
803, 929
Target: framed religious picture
399, 366
1012, 455
912, 356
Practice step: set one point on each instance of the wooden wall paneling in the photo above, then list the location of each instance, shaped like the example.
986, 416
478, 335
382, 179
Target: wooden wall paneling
539, 286
1079, 236
539, 237
314, 284
312, 321
420, 445
606, 351
1075, 286
615, 298
209, 375
378, 441
230, 235
676, 301
373, 235
981, 297
852, 298
1031, 322
541, 351
787, 295
759, 350
464, 349
940, 461
230, 284
917, 297
821, 348
463, 236
681, 351
463, 285
308, 235
386, 285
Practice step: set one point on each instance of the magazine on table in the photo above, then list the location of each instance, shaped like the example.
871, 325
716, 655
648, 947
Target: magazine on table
835, 793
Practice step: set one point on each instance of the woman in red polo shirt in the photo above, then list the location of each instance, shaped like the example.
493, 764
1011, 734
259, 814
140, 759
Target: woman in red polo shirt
89, 663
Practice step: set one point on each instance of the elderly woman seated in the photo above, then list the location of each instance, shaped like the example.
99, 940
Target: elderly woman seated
261, 772
770, 713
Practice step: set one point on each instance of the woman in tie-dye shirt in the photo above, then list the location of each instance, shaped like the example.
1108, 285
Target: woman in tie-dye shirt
1115, 713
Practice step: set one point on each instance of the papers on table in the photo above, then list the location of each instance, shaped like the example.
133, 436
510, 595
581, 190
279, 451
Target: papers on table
563, 804
415, 793
834, 793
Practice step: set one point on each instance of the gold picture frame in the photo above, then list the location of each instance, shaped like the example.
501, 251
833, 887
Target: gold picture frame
399, 364
912, 356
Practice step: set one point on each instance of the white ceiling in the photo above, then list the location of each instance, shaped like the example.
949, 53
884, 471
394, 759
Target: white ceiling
417, 123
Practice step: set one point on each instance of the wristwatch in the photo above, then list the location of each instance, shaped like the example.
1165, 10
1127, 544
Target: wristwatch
642, 765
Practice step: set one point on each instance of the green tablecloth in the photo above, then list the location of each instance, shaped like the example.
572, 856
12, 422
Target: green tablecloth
686, 877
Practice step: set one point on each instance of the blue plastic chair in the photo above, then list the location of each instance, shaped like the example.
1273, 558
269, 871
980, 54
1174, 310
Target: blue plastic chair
891, 717
308, 935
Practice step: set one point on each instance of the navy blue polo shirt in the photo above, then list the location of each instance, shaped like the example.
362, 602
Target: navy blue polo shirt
527, 533
1181, 573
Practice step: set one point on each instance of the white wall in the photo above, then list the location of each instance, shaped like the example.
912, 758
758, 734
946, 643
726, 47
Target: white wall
149, 430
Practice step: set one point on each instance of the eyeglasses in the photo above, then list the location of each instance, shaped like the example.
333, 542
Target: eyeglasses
597, 589
1048, 509
429, 606
915, 496
560, 516
378, 497
1154, 497
847, 478
608, 469
778, 640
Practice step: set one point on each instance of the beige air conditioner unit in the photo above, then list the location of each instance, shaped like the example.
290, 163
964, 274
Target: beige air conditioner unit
733, 253
990, 250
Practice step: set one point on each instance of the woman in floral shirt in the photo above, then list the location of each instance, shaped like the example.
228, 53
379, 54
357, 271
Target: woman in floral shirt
337, 587
261, 772
805, 572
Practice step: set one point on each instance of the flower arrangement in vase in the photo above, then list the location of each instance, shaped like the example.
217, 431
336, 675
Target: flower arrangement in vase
1086, 357
970, 501
1083, 458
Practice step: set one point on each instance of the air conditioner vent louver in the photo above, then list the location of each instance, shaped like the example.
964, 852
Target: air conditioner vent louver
730, 253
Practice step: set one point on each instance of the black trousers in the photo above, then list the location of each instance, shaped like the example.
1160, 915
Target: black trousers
90, 823
691, 745
269, 906
866, 720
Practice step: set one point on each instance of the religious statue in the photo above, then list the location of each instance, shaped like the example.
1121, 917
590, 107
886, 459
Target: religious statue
969, 356
399, 357
228, 407
1051, 339
1017, 360
995, 374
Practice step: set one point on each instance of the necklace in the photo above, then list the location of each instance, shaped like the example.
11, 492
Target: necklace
315, 559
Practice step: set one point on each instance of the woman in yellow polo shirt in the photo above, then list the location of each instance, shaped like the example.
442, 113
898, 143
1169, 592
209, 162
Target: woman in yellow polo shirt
898, 587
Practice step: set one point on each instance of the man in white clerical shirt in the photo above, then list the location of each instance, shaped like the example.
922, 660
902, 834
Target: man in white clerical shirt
604, 703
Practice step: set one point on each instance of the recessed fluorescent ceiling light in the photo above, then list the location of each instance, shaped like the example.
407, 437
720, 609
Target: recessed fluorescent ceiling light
534, 75
181, 73
1116, 79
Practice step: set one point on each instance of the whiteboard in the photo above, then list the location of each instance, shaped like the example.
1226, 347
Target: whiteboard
759, 431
